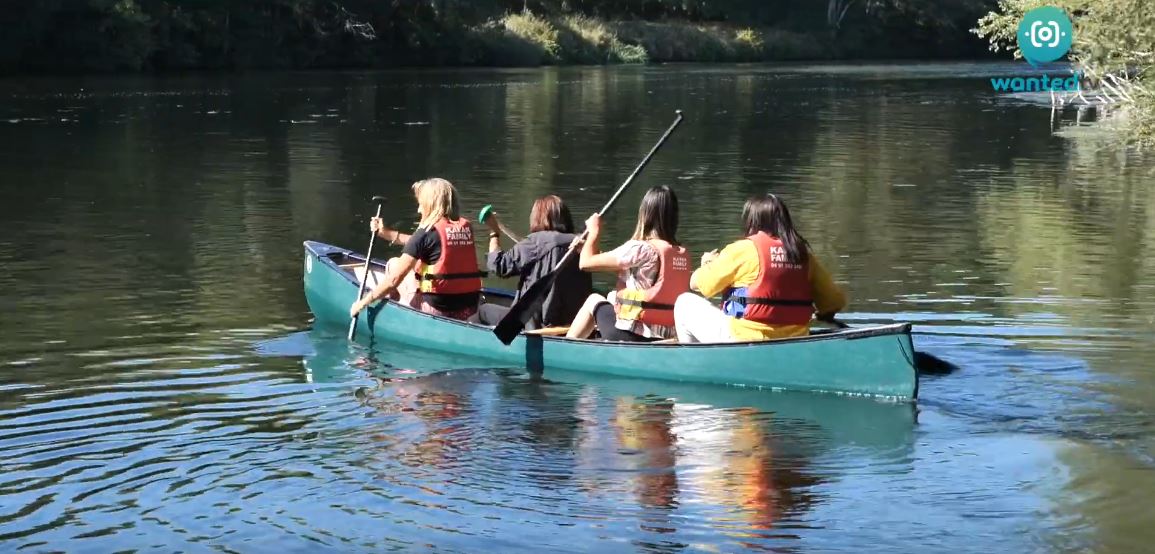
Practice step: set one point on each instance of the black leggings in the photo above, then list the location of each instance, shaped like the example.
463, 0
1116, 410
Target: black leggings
607, 321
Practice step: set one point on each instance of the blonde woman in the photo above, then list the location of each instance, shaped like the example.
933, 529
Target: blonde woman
437, 271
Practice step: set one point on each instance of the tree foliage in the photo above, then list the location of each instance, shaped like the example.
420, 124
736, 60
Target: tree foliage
134, 35
1113, 46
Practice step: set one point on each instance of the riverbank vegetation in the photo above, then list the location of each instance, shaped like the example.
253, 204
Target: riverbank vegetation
161, 35
1113, 48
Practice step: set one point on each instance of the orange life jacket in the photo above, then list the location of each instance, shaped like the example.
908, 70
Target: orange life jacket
781, 293
655, 305
456, 270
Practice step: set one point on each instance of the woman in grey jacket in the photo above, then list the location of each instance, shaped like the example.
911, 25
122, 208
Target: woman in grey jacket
550, 236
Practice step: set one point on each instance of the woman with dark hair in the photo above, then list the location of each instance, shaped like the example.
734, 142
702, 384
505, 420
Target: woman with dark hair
653, 269
550, 236
770, 283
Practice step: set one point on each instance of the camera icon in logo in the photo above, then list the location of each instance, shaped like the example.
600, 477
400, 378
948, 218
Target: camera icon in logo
1044, 35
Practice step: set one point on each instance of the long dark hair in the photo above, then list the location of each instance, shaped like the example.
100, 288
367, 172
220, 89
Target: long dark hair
549, 213
769, 215
658, 215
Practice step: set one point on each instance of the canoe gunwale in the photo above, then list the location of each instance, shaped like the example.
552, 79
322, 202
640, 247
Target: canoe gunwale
326, 252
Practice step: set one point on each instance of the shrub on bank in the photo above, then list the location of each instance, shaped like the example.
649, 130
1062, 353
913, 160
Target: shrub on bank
492, 44
526, 39
586, 40
537, 31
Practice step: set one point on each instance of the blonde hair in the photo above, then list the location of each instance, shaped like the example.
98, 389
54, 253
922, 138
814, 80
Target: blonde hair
437, 200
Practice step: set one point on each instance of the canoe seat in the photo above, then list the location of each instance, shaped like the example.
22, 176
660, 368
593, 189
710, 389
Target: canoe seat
549, 331
375, 275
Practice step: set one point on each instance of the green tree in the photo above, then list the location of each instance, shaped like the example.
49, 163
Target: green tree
1113, 46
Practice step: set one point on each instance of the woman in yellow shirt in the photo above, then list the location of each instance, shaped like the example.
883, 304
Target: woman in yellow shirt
771, 284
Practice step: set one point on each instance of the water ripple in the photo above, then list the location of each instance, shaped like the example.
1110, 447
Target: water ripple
156, 392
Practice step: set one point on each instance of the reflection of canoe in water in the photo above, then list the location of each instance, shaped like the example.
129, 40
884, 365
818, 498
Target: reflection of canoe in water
844, 421
871, 361
746, 460
831, 421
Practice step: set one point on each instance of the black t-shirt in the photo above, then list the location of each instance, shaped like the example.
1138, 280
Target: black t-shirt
425, 245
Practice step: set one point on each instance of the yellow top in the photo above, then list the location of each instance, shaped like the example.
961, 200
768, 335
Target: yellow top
737, 266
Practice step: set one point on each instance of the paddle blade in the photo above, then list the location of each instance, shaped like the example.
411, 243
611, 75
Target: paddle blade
928, 364
522, 311
352, 327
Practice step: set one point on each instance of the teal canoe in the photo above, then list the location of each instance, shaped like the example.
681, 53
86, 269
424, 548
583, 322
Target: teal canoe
873, 361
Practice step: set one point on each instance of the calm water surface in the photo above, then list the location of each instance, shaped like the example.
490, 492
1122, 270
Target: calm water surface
161, 388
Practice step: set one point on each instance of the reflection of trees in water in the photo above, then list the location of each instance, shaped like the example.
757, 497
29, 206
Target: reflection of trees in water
269, 167
1105, 503
1075, 235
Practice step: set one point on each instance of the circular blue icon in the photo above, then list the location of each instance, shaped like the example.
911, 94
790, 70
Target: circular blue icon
1045, 34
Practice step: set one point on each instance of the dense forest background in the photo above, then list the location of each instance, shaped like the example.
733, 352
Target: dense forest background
161, 35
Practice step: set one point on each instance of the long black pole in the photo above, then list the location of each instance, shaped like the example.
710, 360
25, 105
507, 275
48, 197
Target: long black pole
613, 199
521, 311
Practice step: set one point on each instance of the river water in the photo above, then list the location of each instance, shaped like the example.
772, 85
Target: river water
161, 388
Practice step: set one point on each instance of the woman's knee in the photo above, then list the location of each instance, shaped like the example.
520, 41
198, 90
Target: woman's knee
685, 302
592, 301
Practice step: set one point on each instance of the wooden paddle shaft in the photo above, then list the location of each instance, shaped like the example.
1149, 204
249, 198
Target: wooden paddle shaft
364, 276
505, 231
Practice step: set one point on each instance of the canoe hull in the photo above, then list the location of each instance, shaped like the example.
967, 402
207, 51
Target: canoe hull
873, 361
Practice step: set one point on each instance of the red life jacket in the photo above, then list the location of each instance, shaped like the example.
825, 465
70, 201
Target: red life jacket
456, 270
781, 294
655, 305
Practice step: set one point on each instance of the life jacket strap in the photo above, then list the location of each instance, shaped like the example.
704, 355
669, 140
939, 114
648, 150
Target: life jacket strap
645, 305
447, 276
763, 301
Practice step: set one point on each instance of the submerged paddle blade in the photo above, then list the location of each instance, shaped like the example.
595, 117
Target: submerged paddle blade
928, 364
522, 311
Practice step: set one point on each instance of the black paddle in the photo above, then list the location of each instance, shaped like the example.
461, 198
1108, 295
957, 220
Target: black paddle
926, 364
522, 311
379, 200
